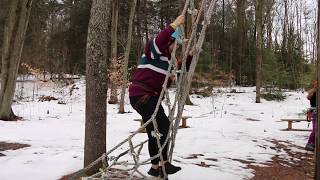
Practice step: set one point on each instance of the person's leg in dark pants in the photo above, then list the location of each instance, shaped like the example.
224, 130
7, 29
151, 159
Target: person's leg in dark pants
312, 138
163, 127
146, 110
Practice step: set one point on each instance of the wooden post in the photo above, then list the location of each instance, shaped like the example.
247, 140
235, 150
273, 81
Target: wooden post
317, 169
184, 123
289, 125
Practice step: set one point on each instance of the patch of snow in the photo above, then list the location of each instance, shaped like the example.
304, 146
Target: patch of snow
219, 130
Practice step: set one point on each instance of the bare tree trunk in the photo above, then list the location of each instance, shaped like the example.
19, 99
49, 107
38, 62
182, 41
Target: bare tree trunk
96, 83
14, 36
259, 8
269, 24
161, 14
126, 57
114, 50
4, 7
138, 25
223, 32
240, 11
145, 20
300, 66
230, 58
285, 29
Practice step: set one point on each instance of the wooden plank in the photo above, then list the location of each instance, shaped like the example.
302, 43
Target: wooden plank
296, 129
290, 121
294, 120
183, 118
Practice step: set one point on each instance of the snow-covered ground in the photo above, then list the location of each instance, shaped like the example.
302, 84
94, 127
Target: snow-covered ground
219, 133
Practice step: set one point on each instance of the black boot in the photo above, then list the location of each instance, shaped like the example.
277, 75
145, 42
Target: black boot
170, 169
153, 172
310, 147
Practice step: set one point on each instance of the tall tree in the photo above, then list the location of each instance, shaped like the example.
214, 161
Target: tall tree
269, 10
96, 82
4, 4
223, 31
145, 19
259, 9
285, 32
139, 43
241, 34
114, 50
14, 36
126, 57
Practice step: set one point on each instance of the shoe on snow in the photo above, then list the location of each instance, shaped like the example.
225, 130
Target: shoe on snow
170, 169
310, 147
153, 172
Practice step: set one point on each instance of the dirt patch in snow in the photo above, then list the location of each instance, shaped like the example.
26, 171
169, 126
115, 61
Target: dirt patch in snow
4, 146
287, 165
294, 166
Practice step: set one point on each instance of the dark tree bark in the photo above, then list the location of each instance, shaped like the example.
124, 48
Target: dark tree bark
145, 20
96, 83
14, 36
114, 50
259, 8
269, 14
223, 32
240, 19
138, 26
285, 33
4, 6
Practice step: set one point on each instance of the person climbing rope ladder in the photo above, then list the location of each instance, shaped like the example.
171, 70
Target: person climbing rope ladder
146, 86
